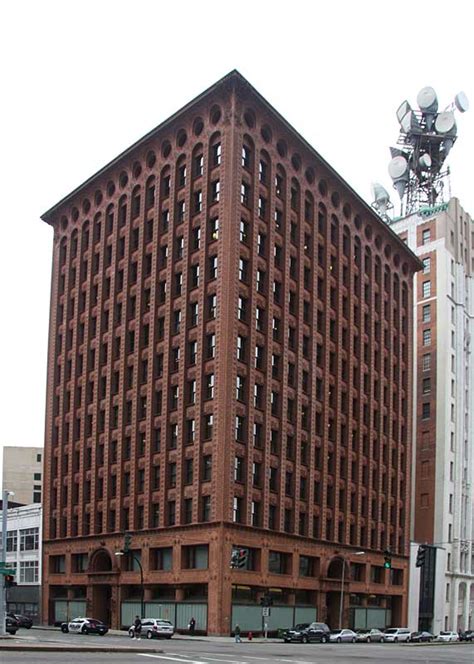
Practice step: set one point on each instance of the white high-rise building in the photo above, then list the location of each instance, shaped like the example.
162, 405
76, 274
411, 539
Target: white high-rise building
443, 493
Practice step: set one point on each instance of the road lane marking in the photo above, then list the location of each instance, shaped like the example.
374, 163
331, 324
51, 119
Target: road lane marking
175, 659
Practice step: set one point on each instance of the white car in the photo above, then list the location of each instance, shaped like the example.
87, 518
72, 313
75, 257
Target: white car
342, 636
84, 626
447, 636
396, 634
154, 628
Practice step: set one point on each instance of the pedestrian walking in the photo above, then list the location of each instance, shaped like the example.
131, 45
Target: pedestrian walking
192, 626
137, 627
237, 634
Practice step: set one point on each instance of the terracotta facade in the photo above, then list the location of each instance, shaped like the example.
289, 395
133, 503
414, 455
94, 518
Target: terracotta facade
229, 365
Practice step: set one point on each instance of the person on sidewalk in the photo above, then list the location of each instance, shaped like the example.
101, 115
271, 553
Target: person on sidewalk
137, 627
237, 634
192, 626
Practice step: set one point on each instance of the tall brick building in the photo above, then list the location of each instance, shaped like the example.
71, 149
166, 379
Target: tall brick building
229, 365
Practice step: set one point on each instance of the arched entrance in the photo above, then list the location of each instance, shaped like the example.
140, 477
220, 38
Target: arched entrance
102, 576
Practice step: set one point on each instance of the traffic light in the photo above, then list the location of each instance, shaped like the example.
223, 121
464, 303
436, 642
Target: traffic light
387, 559
10, 581
420, 556
234, 559
266, 599
127, 542
238, 559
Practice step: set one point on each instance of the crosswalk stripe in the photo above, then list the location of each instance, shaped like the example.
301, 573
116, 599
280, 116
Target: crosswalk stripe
175, 659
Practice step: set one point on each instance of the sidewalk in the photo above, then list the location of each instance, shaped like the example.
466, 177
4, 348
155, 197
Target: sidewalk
178, 637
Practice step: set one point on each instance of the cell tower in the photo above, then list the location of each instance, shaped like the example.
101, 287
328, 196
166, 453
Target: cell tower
417, 167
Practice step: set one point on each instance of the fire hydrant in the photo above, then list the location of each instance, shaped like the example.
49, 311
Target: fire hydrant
250, 636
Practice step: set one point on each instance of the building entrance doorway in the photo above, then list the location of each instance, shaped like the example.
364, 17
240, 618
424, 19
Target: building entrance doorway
333, 603
101, 601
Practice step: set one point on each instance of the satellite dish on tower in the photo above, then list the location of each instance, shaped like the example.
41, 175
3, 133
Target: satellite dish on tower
462, 102
428, 104
425, 162
381, 199
427, 100
445, 123
399, 172
402, 110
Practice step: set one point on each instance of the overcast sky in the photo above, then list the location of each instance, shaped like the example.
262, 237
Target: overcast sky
81, 81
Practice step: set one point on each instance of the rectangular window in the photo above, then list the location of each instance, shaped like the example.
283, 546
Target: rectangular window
207, 468
427, 337
279, 562
29, 571
426, 236
12, 540
162, 559
425, 412
29, 539
195, 557
426, 362
244, 231
426, 265
215, 191
426, 289
245, 194
426, 313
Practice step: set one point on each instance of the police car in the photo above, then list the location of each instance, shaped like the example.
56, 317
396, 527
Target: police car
84, 626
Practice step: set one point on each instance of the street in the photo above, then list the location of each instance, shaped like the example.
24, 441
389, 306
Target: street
223, 651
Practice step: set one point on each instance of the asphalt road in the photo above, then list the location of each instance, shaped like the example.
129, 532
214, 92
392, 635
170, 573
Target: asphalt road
225, 651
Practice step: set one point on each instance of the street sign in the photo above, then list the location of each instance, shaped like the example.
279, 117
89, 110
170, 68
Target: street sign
6, 569
266, 611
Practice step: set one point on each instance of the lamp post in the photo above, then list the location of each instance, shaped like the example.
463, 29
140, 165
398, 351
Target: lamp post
142, 587
3, 592
341, 601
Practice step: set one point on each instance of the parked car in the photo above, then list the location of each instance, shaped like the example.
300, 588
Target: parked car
23, 621
84, 626
420, 637
447, 636
11, 625
154, 627
368, 635
395, 634
342, 636
468, 635
306, 632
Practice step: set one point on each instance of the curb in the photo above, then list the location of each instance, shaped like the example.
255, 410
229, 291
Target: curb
61, 648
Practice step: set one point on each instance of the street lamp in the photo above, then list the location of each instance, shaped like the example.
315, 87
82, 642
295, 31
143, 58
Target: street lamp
341, 603
142, 587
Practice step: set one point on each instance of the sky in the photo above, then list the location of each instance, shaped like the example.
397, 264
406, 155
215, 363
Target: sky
81, 81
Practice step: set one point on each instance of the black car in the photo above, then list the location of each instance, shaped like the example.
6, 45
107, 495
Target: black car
11, 625
84, 626
23, 621
421, 637
468, 635
306, 632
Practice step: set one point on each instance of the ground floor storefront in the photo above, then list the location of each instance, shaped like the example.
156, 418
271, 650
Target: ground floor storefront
282, 581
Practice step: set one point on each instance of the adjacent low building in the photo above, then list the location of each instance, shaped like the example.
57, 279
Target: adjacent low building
23, 554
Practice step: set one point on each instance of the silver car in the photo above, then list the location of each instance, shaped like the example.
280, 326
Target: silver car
369, 635
342, 636
154, 628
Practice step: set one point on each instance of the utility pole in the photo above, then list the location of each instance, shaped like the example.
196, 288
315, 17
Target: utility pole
3, 559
